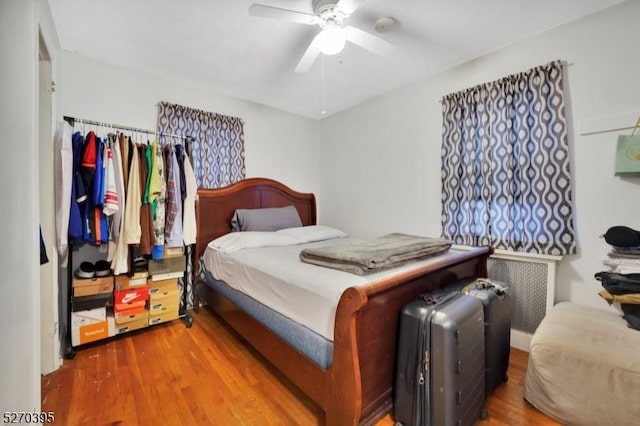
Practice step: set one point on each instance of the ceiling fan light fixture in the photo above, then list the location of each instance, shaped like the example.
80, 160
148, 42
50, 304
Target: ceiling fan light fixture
331, 39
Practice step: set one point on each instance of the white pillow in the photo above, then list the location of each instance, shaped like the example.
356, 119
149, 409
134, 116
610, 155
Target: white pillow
308, 234
235, 241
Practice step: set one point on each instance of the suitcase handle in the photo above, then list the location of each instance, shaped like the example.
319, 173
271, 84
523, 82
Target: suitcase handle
485, 284
437, 299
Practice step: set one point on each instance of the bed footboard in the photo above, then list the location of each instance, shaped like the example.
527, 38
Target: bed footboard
363, 372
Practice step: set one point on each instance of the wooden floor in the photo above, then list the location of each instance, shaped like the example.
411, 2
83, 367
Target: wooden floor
171, 375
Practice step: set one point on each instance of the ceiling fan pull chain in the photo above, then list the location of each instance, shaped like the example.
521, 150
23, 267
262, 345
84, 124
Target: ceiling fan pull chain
323, 111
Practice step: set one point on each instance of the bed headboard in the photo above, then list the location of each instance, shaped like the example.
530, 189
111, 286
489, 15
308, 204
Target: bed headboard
215, 207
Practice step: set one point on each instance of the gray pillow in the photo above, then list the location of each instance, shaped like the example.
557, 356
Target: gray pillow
267, 219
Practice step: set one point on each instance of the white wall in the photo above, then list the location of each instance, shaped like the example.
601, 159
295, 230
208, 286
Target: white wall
380, 161
19, 258
278, 145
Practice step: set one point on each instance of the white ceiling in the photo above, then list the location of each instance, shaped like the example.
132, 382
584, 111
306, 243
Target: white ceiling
216, 44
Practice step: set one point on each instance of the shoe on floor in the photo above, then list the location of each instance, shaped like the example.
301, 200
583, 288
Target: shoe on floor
86, 270
103, 268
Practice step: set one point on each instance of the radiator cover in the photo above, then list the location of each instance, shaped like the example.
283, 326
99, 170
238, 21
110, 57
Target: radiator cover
530, 285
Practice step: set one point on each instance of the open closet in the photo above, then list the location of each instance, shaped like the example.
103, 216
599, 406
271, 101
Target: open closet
127, 198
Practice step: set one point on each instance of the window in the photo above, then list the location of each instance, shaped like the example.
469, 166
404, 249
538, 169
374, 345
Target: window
505, 164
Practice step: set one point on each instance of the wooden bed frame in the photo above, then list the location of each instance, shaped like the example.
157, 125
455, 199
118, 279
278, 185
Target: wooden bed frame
358, 386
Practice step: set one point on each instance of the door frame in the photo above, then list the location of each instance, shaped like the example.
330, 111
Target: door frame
51, 358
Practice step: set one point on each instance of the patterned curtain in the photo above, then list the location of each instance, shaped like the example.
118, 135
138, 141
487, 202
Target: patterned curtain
217, 154
505, 164
217, 157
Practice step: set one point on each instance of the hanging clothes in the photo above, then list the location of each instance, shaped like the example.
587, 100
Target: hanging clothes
78, 200
147, 159
125, 145
88, 167
98, 175
145, 212
173, 217
157, 195
63, 187
100, 229
189, 231
111, 199
116, 193
88, 163
88, 176
118, 249
183, 184
132, 229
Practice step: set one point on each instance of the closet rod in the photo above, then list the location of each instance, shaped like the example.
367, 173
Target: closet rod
73, 120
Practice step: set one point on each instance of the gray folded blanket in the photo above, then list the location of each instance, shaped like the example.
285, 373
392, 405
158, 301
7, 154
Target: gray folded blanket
386, 251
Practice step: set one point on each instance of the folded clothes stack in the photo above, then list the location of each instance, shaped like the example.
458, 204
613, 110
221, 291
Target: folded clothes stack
624, 257
86, 270
621, 283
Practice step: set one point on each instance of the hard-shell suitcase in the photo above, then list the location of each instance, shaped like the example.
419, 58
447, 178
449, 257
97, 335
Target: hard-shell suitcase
440, 361
497, 305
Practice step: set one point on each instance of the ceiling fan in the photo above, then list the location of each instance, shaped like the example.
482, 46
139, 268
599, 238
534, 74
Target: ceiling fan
330, 15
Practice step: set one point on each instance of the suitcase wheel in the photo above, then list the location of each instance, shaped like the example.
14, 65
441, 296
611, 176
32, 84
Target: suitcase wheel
484, 414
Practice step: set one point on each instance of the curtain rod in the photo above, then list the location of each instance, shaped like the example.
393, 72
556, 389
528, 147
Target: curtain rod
562, 62
73, 120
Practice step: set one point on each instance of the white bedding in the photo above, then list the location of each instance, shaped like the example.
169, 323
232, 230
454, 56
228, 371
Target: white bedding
276, 277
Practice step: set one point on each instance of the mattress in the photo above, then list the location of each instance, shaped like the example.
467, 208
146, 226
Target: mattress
275, 276
306, 294
310, 344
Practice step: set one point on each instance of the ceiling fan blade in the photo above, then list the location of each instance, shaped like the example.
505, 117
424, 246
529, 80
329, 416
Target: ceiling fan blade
285, 14
370, 42
310, 55
347, 7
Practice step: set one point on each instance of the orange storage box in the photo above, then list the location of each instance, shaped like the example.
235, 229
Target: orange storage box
127, 309
130, 295
89, 326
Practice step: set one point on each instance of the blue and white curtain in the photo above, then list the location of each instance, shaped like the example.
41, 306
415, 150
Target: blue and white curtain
217, 154
505, 164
